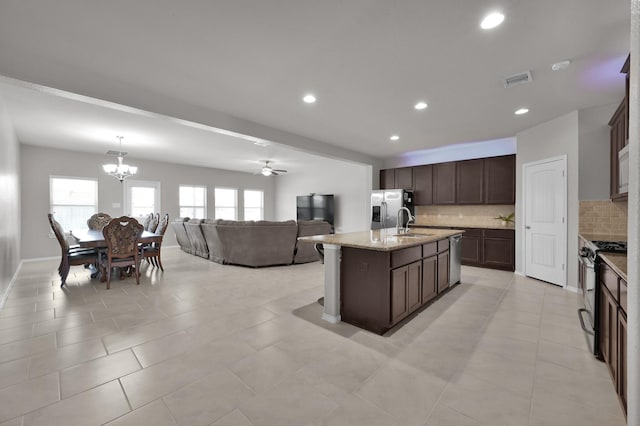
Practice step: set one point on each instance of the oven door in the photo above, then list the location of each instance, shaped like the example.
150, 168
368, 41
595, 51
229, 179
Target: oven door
587, 315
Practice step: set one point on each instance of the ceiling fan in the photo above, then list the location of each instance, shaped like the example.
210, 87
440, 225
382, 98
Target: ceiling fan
267, 170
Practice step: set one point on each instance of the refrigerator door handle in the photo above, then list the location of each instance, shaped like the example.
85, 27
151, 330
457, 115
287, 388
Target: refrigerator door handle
384, 212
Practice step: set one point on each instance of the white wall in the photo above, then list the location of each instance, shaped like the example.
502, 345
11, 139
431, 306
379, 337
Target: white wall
594, 136
551, 139
38, 163
350, 183
9, 202
457, 152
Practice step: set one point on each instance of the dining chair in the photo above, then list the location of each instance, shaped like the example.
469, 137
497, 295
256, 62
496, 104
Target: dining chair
153, 223
98, 221
151, 252
121, 235
70, 256
147, 220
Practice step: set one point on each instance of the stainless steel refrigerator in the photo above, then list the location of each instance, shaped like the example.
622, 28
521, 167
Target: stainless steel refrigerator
385, 204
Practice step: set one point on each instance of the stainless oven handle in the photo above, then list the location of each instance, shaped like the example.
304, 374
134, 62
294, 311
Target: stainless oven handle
580, 311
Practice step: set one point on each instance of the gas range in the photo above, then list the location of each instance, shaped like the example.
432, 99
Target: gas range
610, 246
592, 248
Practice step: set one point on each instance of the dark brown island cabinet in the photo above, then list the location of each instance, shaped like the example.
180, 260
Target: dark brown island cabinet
480, 181
613, 328
378, 289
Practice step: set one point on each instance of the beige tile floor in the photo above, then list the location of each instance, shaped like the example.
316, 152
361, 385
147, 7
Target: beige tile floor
206, 344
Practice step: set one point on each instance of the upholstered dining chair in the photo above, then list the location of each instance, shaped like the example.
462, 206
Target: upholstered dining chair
147, 220
151, 252
121, 236
153, 223
70, 256
98, 221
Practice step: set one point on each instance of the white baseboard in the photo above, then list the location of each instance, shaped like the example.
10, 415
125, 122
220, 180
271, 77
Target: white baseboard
572, 289
39, 259
4, 297
519, 273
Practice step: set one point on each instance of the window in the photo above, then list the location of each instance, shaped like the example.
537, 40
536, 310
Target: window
226, 202
73, 201
141, 198
253, 205
193, 201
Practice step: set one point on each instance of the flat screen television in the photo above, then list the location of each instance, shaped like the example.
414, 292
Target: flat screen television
315, 207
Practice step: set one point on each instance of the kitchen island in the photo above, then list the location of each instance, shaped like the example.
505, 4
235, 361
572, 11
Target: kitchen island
375, 279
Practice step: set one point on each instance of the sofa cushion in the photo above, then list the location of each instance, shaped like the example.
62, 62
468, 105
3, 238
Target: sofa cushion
251, 243
305, 251
198, 243
181, 234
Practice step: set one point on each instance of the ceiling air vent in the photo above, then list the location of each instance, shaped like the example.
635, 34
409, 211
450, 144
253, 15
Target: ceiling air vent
520, 78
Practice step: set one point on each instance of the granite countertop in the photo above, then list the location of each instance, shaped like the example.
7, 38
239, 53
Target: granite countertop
384, 239
617, 262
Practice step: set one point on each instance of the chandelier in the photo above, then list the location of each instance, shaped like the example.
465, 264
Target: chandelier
119, 171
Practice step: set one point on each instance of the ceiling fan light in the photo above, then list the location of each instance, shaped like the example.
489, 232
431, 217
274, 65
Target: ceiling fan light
266, 171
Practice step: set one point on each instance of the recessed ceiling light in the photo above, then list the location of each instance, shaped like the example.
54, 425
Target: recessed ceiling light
260, 143
492, 20
394, 138
558, 66
420, 105
521, 111
309, 98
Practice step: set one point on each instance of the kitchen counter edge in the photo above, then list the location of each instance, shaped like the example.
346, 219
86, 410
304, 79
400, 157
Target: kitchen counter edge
383, 239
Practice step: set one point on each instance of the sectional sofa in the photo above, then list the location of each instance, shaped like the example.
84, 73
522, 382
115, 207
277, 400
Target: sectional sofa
249, 243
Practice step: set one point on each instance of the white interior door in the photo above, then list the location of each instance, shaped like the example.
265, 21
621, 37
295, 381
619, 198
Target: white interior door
545, 207
141, 198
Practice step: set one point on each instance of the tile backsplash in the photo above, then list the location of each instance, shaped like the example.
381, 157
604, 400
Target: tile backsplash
480, 216
603, 217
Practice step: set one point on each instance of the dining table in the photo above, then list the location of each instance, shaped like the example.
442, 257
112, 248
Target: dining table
94, 238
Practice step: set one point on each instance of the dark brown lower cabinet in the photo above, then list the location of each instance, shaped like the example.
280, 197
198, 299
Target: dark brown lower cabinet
443, 271
405, 290
472, 247
622, 358
489, 248
414, 284
609, 331
499, 247
429, 278
378, 289
613, 328
399, 305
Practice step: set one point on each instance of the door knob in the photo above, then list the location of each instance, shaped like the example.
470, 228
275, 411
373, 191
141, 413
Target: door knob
527, 227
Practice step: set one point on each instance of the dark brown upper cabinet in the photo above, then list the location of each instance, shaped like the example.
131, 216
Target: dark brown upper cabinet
401, 178
404, 178
423, 185
444, 183
619, 138
388, 179
500, 180
469, 181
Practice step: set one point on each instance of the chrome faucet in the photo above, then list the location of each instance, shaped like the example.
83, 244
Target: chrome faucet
405, 229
